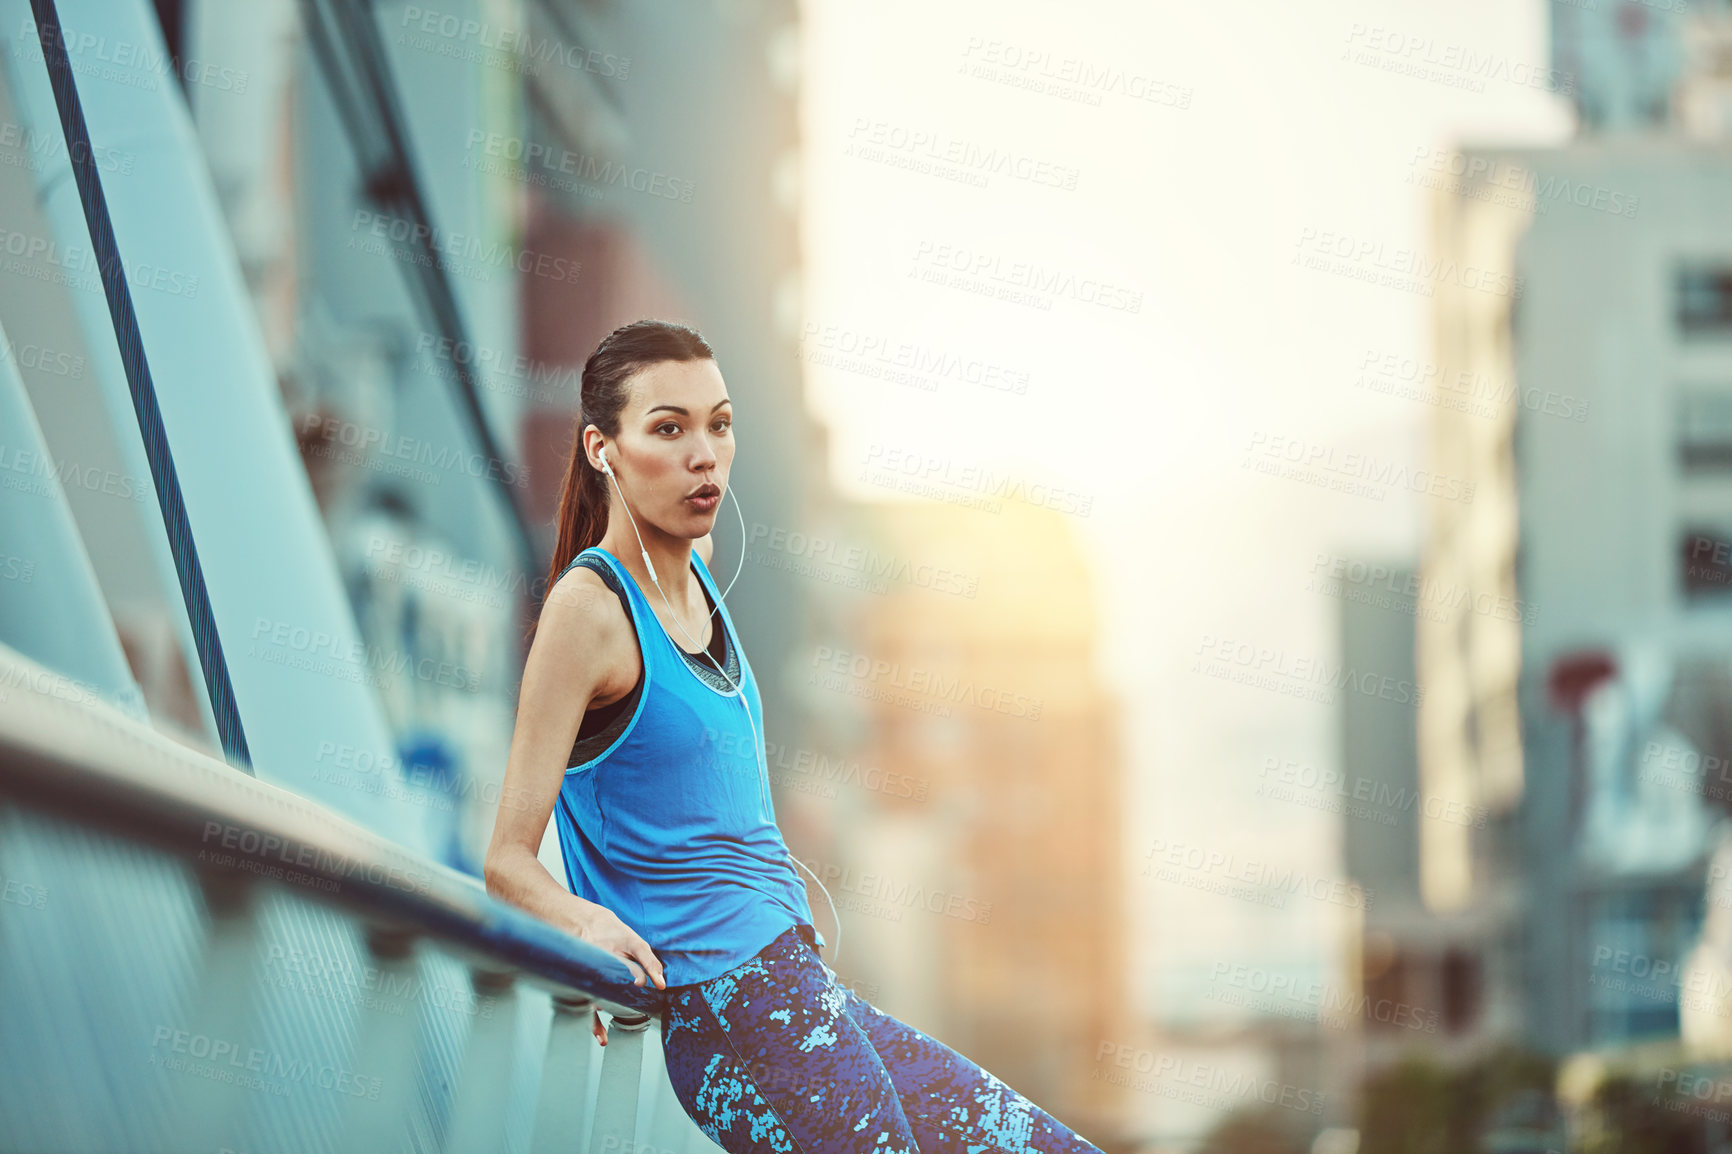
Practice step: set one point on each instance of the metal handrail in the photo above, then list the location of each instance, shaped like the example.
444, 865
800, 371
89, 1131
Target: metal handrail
64, 749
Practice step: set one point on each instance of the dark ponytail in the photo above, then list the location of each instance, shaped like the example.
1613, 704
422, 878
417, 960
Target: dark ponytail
583, 497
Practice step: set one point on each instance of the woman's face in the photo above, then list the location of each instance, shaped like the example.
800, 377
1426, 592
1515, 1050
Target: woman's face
676, 438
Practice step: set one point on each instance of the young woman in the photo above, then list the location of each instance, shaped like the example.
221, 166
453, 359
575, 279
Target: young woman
639, 725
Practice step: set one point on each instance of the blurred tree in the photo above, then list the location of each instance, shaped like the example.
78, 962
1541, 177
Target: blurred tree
1505, 1101
1631, 1117
1256, 1130
1410, 1108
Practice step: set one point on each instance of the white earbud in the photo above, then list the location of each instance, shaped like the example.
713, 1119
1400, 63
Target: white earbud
647, 563
757, 745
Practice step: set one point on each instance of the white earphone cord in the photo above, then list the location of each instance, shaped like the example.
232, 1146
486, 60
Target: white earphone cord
757, 746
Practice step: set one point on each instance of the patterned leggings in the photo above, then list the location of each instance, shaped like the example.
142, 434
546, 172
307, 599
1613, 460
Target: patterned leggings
776, 1055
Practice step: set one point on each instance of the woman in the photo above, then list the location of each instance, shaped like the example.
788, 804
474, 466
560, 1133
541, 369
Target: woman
650, 752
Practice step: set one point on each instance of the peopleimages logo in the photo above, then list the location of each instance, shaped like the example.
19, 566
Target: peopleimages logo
1477, 172
28, 471
1308, 677
1455, 65
1370, 260
240, 843
1360, 474
340, 978
1454, 598
26, 147
831, 771
885, 141
541, 158
498, 370
19, 893
1173, 861
1229, 1085
226, 1060
864, 352
1287, 995
511, 41
375, 233
133, 65
1023, 282
861, 559
1288, 780
941, 472
335, 431
899, 893
1065, 77
1464, 390
78, 267
316, 651
957, 689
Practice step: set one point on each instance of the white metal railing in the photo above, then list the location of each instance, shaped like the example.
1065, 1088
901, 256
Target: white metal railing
243, 855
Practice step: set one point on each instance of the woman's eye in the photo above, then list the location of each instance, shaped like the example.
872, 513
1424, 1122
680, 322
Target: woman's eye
665, 425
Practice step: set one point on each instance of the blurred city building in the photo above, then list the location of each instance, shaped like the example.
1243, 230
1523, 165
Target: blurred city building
1422, 972
576, 167
977, 784
1577, 669
416, 221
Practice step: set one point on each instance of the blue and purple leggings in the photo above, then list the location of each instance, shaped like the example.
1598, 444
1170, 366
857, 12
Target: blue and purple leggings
777, 1055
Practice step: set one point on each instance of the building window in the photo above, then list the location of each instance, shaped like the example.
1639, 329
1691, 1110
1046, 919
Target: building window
1704, 300
1705, 562
1461, 990
1386, 979
1637, 941
1704, 430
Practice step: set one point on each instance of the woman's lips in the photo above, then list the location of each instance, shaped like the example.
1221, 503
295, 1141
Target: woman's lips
704, 504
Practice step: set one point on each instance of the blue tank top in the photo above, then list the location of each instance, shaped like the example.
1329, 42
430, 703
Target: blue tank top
671, 827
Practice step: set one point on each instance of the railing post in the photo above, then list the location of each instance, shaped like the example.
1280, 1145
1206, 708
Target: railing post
671, 1129
209, 1111
385, 1045
484, 1083
560, 1108
616, 1098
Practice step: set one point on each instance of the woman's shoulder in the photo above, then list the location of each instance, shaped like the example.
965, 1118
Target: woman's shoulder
585, 622
585, 600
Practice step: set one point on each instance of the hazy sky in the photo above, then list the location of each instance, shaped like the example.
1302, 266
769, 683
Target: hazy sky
1295, 121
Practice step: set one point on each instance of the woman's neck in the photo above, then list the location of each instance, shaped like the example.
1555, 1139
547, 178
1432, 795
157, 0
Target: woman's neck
672, 557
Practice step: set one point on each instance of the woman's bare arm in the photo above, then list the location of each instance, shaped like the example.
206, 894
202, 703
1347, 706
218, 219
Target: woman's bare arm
582, 650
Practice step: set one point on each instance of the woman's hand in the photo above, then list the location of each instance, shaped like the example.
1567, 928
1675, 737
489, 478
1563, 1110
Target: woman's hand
601, 927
